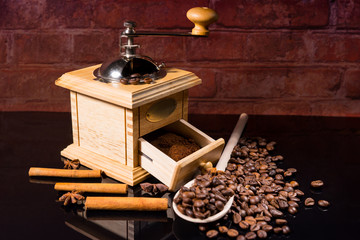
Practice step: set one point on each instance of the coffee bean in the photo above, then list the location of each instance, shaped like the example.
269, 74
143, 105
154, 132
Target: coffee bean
299, 192
285, 229
309, 202
323, 203
261, 234
232, 233
212, 233
219, 205
276, 213
236, 218
277, 230
267, 228
292, 210
181, 209
317, 183
124, 81
280, 221
283, 204
294, 184
254, 227
199, 203
202, 227
250, 235
250, 220
254, 199
189, 212
148, 80
188, 195
134, 81
241, 237
244, 225
223, 229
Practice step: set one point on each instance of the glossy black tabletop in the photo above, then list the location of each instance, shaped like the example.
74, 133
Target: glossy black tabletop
324, 148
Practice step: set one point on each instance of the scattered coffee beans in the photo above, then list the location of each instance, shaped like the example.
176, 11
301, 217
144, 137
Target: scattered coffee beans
309, 202
323, 203
263, 193
232, 233
261, 234
317, 183
285, 229
241, 237
212, 233
250, 235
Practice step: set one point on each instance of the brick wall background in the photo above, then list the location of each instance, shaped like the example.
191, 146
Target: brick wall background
262, 57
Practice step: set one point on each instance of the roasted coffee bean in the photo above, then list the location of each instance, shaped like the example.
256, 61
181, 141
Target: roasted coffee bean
299, 192
323, 203
219, 205
261, 234
292, 194
198, 203
244, 225
280, 221
241, 237
285, 229
181, 209
294, 184
189, 212
292, 210
212, 233
254, 199
288, 174
283, 204
250, 235
293, 204
276, 213
232, 233
295, 199
134, 81
317, 183
135, 75
124, 81
148, 80
267, 228
202, 227
223, 229
250, 220
269, 197
277, 230
309, 202
188, 195
254, 227
236, 218
261, 223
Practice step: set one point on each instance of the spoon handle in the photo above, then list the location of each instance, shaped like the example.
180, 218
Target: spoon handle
233, 140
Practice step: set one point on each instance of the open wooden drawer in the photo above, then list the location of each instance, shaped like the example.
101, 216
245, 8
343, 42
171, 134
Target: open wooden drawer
175, 174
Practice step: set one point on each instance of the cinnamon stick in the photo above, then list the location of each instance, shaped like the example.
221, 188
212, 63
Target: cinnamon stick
116, 188
126, 203
70, 173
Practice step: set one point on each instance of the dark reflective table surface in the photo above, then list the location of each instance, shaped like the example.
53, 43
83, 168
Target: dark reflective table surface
324, 148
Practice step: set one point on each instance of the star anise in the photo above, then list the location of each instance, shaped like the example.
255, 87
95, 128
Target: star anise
72, 197
153, 187
72, 164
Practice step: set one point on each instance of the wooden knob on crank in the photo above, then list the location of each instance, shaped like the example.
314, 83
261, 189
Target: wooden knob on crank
202, 17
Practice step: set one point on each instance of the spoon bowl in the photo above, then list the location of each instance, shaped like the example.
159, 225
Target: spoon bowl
206, 220
221, 165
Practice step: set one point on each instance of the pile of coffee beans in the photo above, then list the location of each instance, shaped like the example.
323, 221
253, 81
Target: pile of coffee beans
263, 194
207, 196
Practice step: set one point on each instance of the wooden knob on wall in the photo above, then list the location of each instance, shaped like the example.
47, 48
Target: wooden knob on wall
202, 17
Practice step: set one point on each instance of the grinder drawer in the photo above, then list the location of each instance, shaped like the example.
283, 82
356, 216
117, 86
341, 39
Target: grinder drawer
175, 174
